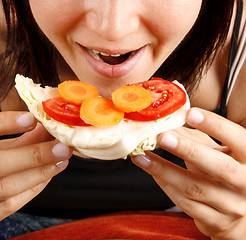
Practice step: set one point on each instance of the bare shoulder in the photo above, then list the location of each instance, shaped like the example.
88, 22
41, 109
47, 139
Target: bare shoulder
208, 95
236, 105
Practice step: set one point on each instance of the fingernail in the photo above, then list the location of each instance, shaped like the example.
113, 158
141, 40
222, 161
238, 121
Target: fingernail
142, 161
169, 141
61, 151
62, 164
25, 120
195, 117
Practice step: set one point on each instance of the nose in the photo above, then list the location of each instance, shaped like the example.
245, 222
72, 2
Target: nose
113, 19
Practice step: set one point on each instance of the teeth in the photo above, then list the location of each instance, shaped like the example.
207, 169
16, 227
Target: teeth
105, 54
95, 52
109, 55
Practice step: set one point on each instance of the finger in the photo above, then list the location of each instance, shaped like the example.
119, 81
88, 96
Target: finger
227, 132
199, 137
16, 122
20, 182
14, 203
208, 220
192, 186
209, 217
37, 135
32, 156
218, 165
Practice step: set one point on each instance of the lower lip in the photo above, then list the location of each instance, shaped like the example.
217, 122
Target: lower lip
113, 71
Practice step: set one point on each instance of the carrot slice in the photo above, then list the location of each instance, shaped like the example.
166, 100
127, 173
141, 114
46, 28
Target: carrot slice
131, 98
76, 92
100, 112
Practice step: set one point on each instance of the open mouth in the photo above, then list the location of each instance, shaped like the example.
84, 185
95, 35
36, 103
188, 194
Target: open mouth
111, 59
113, 64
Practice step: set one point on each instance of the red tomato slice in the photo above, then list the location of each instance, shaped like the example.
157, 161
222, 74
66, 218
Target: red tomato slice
63, 112
167, 98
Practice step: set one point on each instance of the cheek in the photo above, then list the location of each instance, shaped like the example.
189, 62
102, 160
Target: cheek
175, 18
54, 16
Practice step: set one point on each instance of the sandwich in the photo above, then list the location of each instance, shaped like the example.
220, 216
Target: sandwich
107, 129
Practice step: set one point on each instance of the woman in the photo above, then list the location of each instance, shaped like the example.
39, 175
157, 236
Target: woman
188, 40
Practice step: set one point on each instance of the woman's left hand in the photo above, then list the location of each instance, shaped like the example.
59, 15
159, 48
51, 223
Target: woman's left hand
212, 190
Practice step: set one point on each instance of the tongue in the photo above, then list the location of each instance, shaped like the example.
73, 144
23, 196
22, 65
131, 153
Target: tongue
115, 60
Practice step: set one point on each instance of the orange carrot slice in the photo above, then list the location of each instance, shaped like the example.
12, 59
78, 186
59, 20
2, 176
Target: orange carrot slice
100, 112
76, 92
131, 98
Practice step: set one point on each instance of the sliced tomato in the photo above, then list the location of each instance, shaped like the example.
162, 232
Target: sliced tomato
167, 98
63, 112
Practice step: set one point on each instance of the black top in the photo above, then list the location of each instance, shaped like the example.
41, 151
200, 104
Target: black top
90, 187
233, 50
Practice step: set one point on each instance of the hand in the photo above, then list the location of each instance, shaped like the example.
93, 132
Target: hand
212, 190
28, 162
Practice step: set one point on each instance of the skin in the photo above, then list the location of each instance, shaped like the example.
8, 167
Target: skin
212, 189
114, 27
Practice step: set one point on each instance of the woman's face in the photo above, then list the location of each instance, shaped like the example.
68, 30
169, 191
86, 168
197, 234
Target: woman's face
110, 43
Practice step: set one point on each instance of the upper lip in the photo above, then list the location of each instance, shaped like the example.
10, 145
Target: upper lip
112, 51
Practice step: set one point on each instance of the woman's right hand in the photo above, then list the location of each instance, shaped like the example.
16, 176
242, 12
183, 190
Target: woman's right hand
28, 162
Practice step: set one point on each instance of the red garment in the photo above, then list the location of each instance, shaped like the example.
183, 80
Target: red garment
144, 225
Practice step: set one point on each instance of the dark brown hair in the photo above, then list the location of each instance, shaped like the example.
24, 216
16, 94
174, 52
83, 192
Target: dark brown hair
30, 53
